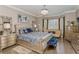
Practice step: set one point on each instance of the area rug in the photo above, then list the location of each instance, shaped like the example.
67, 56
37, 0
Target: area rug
22, 50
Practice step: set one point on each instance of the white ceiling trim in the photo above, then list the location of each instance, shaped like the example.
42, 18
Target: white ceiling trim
66, 12
18, 9
71, 11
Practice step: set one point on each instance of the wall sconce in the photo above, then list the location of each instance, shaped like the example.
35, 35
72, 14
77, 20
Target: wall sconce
35, 25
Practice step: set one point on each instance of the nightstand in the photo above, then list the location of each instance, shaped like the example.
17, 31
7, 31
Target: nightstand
7, 40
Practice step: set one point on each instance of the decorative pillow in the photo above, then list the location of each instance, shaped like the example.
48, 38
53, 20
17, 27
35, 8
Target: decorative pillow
25, 30
29, 30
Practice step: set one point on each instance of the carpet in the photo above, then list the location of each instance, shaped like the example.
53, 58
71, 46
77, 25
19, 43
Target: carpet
21, 50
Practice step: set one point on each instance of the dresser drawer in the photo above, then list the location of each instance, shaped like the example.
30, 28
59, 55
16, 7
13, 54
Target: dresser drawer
3, 45
7, 40
11, 38
11, 43
3, 39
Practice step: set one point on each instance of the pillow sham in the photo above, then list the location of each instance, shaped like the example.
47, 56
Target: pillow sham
29, 30
25, 30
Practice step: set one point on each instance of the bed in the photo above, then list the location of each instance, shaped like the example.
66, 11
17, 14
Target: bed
36, 41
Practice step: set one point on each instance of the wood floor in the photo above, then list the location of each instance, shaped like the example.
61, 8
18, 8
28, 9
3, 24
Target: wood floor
63, 47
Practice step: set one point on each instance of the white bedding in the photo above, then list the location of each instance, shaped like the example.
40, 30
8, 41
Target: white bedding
34, 37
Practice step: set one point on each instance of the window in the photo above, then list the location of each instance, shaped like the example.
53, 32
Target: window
53, 24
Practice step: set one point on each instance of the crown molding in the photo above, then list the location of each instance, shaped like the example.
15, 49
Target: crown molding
18, 9
71, 11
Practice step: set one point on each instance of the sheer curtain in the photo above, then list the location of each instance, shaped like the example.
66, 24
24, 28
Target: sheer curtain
53, 24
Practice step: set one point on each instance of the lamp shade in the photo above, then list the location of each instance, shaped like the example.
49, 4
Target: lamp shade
6, 25
35, 25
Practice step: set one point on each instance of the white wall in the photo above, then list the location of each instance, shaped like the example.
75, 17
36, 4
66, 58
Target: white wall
70, 17
5, 11
39, 23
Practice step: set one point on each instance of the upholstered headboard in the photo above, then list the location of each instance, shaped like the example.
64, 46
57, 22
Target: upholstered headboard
21, 29
25, 30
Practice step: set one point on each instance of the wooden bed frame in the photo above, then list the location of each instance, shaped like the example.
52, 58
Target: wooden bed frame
39, 47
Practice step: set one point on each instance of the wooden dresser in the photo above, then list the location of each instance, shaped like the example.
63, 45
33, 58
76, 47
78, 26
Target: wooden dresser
7, 40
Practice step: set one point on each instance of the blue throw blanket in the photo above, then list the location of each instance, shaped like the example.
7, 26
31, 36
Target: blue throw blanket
34, 37
53, 41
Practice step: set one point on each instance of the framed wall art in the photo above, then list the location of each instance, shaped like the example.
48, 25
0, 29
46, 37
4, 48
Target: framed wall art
22, 19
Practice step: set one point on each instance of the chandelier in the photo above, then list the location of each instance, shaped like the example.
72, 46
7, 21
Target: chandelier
44, 11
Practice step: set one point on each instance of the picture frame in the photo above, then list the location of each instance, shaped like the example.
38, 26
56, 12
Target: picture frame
22, 19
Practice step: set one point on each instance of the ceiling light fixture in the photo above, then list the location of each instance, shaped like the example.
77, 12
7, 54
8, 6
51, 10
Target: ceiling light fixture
44, 11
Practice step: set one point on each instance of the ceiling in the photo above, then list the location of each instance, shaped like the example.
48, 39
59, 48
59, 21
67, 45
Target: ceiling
53, 9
